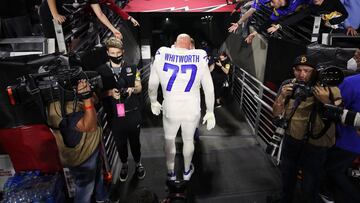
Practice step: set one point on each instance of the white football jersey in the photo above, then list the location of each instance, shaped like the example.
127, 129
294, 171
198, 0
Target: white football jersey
180, 72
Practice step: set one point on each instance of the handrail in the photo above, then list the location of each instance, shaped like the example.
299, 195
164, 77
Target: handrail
255, 101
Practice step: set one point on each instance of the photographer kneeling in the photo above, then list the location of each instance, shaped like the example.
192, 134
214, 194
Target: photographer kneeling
307, 137
78, 136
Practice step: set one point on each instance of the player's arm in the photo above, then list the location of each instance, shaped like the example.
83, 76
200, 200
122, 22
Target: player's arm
208, 87
153, 83
153, 88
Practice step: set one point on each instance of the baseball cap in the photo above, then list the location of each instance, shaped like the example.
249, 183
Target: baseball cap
306, 59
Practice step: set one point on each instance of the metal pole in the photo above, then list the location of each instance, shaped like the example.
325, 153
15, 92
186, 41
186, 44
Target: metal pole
258, 110
242, 81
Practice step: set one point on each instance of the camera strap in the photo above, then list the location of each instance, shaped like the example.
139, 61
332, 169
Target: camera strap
327, 123
35, 91
310, 127
296, 104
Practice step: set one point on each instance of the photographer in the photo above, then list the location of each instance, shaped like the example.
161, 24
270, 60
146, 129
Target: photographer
307, 136
78, 136
121, 103
219, 74
347, 146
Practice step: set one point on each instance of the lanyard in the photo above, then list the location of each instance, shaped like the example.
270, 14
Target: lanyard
116, 76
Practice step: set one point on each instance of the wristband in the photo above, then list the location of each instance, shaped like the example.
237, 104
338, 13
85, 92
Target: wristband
88, 107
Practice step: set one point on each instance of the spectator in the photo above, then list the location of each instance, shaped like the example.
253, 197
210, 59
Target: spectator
332, 12
125, 16
122, 85
347, 146
219, 75
254, 7
238, 5
352, 22
52, 9
280, 8
307, 137
78, 137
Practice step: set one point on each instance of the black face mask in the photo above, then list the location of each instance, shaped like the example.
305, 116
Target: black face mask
116, 60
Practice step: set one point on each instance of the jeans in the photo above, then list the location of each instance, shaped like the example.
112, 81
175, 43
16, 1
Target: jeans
88, 177
298, 154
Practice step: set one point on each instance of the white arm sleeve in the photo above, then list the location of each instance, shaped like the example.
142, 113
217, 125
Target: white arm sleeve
153, 83
208, 87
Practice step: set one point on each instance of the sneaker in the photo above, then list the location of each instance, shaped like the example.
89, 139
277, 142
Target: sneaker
187, 174
171, 176
140, 172
124, 173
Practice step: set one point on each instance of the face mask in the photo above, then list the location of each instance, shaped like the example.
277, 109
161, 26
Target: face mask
351, 64
116, 60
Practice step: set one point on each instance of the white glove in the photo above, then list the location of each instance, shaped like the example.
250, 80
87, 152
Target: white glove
156, 108
209, 119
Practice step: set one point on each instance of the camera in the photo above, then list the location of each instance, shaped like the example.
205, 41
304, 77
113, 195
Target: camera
124, 93
50, 83
325, 76
281, 124
344, 116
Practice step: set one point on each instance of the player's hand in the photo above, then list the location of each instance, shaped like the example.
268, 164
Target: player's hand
156, 108
233, 27
209, 119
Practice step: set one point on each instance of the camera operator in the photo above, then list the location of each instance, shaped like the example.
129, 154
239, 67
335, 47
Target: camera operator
219, 74
307, 136
78, 136
347, 146
121, 103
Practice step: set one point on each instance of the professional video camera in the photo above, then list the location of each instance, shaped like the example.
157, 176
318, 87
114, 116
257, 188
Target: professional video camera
50, 83
328, 76
281, 124
344, 116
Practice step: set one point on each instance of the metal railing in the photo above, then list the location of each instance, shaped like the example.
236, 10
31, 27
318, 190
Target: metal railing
255, 100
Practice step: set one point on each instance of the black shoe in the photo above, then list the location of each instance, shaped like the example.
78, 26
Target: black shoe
140, 172
124, 172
